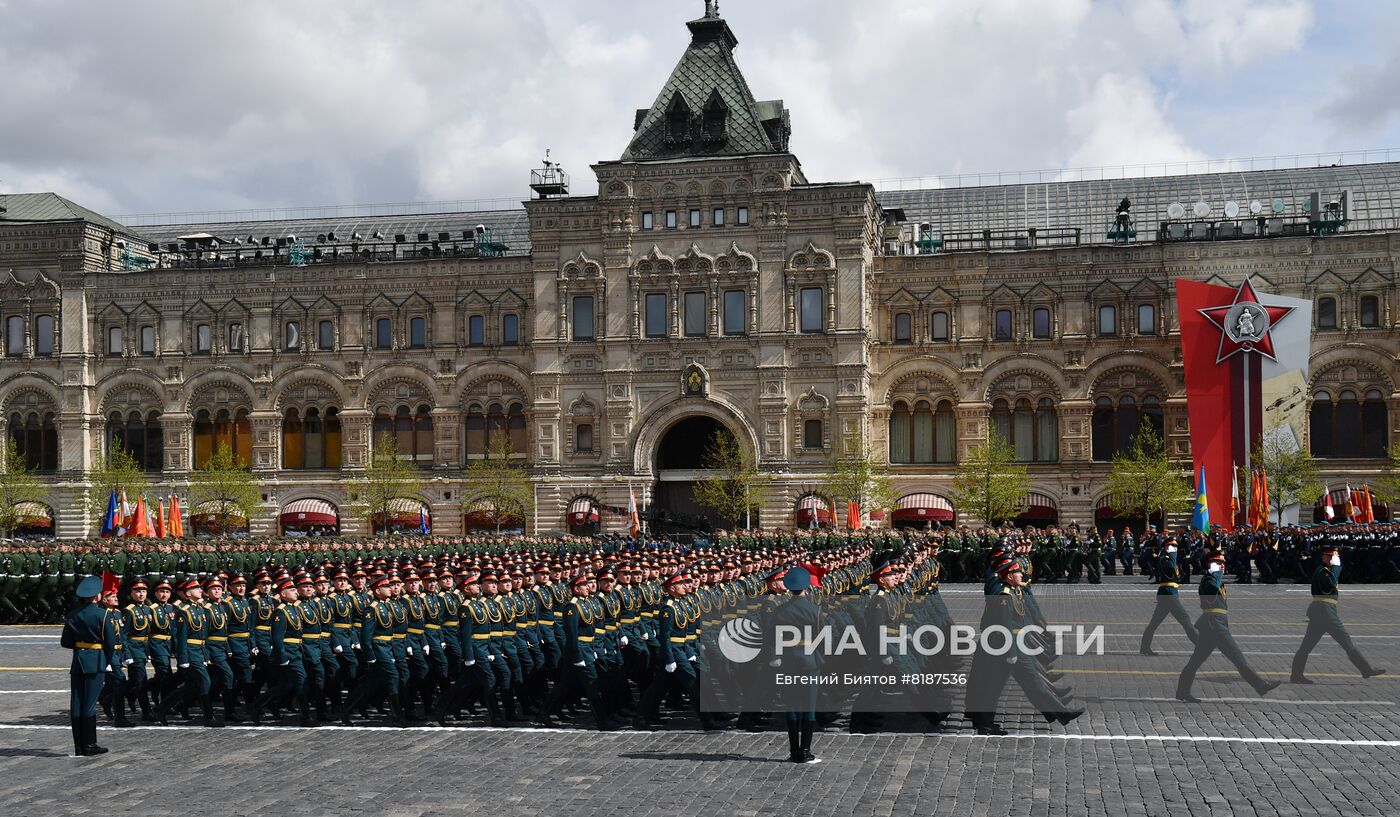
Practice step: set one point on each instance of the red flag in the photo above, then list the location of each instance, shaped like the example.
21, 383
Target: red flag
140, 525
111, 582
176, 528
853, 516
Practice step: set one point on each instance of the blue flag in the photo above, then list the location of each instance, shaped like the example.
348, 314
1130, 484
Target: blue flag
111, 514
1200, 517
422, 520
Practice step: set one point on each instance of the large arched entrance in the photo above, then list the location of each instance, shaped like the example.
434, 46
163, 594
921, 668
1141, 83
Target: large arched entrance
680, 461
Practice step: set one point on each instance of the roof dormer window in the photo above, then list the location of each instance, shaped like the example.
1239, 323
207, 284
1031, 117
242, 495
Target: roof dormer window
677, 120
715, 118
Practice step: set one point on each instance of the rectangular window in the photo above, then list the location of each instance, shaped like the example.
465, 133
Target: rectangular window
736, 312
939, 327
116, 343
656, 315
583, 438
148, 339
742, 217
583, 318
1040, 323
291, 336
670, 219
325, 335
235, 337
417, 333
812, 434
903, 327
383, 334
718, 220
43, 335
1003, 324
695, 217
1108, 320
1147, 319
811, 308
476, 330
202, 339
695, 317
14, 336
1370, 312
510, 330
648, 221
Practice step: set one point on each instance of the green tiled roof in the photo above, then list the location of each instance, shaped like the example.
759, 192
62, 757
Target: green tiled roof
707, 68
39, 207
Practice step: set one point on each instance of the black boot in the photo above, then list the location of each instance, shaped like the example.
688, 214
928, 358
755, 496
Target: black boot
119, 719
79, 735
206, 706
396, 707
304, 704
807, 728
794, 742
91, 726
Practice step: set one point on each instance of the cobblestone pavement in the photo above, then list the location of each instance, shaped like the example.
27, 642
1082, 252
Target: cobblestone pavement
1331, 748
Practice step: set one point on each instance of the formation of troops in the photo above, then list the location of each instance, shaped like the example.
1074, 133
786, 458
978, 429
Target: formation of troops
532, 630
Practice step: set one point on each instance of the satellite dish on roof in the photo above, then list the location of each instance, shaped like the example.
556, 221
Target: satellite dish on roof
1175, 210
1201, 209
1278, 205
1255, 207
1232, 209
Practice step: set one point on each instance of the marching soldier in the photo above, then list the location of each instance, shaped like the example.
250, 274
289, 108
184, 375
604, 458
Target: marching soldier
1323, 619
1168, 599
136, 630
1213, 633
240, 645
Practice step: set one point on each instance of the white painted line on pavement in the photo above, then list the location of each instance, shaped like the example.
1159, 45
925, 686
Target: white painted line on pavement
33, 691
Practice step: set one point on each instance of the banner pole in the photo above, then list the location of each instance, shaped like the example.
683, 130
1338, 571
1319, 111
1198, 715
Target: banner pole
1248, 452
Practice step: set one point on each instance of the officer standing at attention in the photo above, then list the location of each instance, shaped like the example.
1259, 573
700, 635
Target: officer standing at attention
92, 636
1324, 620
1213, 633
801, 613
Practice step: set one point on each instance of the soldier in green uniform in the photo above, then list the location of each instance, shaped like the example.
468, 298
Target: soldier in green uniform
477, 657
1213, 633
1323, 619
376, 645
159, 647
191, 631
92, 636
240, 616
286, 643
1168, 598
582, 626
136, 634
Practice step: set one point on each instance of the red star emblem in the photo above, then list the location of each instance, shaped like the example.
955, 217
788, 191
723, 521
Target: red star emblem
1245, 324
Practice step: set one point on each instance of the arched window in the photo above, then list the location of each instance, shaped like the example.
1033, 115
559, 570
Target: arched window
291, 336
1116, 423
1040, 322
1320, 425
1349, 426
14, 336
922, 433
409, 430
140, 435
583, 438
417, 333
1031, 430
939, 326
1146, 319
1047, 432
1326, 313
219, 428
1102, 430
311, 438
1126, 424
203, 340
515, 423
35, 438
1375, 421
1002, 327
116, 341
1370, 311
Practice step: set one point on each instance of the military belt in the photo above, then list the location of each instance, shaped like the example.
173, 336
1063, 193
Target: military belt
558, 613
588, 639
161, 637
1327, 599
457, 623
264, 627
88, 645
137, 638
341, 626
218, 638
384, 638
432, 627
198, 641
1168, 584
1217, 610
239, 635
678, 639
415, 631
400, 635
481, 636
291, 641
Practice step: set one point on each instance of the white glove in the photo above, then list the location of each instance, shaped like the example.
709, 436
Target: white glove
108, 669
128, 662
355, 646
671, 667
338, 649
256, 651
691, 658
645, 636
1215, 567
622, 641
1336, 560
581, 663
470, 663
409, 651
442, 644
373, 661
184, 666
427, 649
208, 663
491, 657
286, 663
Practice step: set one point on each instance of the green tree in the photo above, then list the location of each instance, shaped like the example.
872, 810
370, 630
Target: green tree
498, 484
386, 478
17, 485
990, 483
735, 487
858, 475
118, 473
1144, 480
1290, 470
226, 488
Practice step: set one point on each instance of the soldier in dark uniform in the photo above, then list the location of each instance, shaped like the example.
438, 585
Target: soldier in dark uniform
1323, 619
1213, 633
216, 648
160, 646
240, 645
583, 622
376, 645
798, 611
1168, 599
191, 630
92, 636
286, 643
136, 634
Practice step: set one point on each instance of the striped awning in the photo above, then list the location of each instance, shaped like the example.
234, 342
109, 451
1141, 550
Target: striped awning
33, 515
923, 508
583, 510
404, 506
812, 502
217, 507
1039, 507
812, 507
310, 512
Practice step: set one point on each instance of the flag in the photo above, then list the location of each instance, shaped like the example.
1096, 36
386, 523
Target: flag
1200, 518
1234, 493
176, 528
634, 520
140, 524
852, 516
1327, 509
123, 515
1347, 508
110, 522
1259, 501
1368, 515
422, 519
111, 582
160, 519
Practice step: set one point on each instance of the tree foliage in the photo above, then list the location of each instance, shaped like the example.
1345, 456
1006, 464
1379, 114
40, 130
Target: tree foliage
118, 473
735, 488
990, 483
859, 475
17, 485
226, 488
1144, 480
387, 478
498, 484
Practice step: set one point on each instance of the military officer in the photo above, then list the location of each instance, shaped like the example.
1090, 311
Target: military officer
92, 636
136, 634
1213, 633
1168, 598
1323, 619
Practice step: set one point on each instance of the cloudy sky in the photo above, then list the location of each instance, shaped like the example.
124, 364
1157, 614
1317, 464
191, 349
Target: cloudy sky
145, 106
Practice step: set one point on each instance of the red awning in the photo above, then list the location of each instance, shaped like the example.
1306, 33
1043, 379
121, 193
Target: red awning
33, 515
583, 511
305, 512
813, 507
923, 508
1041, 508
